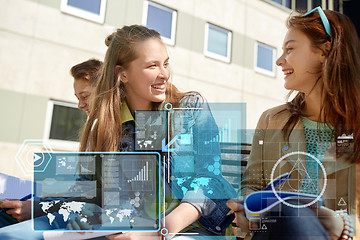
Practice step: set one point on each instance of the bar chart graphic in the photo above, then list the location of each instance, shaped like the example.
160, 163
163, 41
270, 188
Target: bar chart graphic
143, 174
224, 134
140, 173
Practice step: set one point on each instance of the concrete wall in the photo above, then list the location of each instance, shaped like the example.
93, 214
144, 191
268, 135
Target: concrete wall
39, 44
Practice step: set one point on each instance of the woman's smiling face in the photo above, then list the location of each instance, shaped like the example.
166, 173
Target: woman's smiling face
83, 90
300, 62
145, 78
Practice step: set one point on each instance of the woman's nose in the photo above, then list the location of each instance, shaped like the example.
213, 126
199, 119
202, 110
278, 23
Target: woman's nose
81, 105
165, 74
280, 60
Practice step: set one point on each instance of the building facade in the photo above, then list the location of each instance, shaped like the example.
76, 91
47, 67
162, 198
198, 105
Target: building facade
225, 51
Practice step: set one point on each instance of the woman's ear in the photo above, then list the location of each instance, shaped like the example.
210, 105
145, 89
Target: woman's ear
322, 58
121, 72
325, 51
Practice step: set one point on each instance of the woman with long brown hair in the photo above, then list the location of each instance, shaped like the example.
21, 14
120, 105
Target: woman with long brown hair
135, 76
315, 136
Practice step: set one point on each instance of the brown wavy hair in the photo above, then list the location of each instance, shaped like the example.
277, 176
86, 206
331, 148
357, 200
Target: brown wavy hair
88, 70
340, 75
103, 131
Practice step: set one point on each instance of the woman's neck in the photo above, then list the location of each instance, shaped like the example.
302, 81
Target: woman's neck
312, 109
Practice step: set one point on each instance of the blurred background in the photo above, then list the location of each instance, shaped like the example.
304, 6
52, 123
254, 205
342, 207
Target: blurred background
224, 49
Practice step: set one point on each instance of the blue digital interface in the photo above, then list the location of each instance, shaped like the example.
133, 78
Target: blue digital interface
108, 191
186, 153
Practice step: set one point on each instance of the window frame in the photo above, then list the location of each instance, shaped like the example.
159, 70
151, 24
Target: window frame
213, 55
169, 41
282, 5
56, 143
327, 4
262, 70
83, 13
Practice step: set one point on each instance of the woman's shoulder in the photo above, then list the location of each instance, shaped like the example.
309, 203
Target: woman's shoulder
192, 100
277, 111
274, 117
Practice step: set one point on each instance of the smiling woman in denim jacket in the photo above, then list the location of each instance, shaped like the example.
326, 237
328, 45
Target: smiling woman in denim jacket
135, 77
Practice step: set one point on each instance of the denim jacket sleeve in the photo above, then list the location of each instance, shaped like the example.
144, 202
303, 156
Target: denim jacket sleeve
196, 164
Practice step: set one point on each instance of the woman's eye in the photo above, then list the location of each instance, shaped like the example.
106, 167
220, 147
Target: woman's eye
289, 49
166, 64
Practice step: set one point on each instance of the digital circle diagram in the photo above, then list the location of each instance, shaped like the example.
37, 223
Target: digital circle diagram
283, 158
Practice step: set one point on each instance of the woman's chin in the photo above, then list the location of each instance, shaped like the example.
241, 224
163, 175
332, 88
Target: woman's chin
288, 86
159, 98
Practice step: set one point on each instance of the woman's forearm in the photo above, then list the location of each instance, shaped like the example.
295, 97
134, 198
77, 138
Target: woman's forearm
181, 217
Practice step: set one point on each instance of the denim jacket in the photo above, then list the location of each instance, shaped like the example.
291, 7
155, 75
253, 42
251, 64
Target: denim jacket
195, 162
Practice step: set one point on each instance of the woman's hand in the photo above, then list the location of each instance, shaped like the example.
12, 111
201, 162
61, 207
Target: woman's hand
77, 224
20, 210
134, 236
88, 211
240, 219
331, 221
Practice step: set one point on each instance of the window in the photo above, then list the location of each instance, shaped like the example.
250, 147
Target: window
63, 124
316, 3
285, 3
338, 6
93, 10
265, 59
307, 5
325, 4
301, 6
217, 42
162, 19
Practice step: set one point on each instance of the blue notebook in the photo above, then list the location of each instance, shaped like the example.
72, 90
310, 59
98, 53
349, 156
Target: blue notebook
258, 204
13, 187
